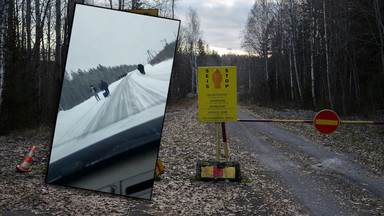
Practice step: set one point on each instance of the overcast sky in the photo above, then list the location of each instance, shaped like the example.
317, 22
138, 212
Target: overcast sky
112, 38
221, 21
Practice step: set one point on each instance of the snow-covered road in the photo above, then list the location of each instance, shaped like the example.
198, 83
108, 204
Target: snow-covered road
134, 100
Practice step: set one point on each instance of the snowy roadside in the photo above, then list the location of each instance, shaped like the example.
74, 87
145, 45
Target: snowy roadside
176, 192
92, 121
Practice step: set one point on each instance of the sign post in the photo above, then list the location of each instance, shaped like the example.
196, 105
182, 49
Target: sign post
217, 141
217, 101
326, 121
217, 97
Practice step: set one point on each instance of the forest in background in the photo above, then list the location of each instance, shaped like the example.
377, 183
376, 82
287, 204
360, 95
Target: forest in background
319, 53
76, 86
311, 54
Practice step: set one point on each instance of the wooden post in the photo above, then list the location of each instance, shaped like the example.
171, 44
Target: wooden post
224, 139
217, 142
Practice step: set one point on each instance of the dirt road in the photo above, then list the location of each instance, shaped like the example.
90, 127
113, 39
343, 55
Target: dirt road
325, 182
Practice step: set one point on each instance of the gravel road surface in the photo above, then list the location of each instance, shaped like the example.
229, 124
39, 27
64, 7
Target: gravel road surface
326, 182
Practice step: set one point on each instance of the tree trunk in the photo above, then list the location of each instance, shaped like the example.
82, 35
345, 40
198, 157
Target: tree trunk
327, 58
353, 78
265, 51
173, 9
16, 23
48, 56
28, 30
276, 79
342, 80
193, 23
193, 76
133, 6
58, 35
35, 72
3, 15
249, 76
296, 70
23, 40
38, 32
312, 44
265, 20
292, 51
355, 75
291, 74
380, 26
193, 70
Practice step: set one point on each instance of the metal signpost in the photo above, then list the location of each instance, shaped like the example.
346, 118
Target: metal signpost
217, 101
217, 97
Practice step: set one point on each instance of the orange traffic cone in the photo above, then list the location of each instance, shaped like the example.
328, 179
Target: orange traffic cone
159, 167
24, 167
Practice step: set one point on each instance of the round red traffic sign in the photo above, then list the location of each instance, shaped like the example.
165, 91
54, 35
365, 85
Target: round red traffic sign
326, 121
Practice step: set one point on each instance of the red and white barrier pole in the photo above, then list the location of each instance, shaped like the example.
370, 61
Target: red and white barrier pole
224, 139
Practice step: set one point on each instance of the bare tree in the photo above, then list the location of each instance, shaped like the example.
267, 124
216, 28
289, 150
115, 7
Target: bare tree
58, 30
292, 39
380, 26
193, 35
291, 72
3, 15
28, 26
136, 4
327, 57
312, 53
256, 34
38, 31
23, 33
173, 9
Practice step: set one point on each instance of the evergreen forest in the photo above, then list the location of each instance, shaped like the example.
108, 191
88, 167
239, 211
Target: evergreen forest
76, 87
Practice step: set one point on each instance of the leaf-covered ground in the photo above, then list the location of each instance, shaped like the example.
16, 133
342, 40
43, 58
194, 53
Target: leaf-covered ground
176, 192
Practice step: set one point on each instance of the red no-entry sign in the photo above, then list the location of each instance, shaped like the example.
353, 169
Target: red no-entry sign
326, 121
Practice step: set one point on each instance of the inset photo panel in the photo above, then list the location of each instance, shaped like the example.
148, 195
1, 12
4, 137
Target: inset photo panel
112, 102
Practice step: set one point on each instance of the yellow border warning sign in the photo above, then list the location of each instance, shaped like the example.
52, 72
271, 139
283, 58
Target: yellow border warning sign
217, 94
